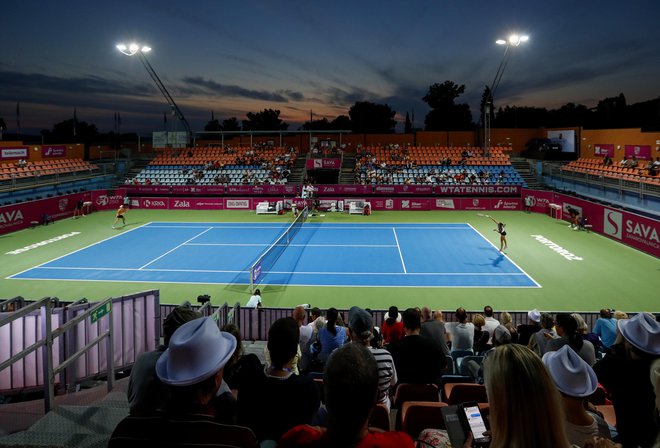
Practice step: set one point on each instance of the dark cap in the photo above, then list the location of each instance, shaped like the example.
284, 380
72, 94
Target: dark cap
360, 322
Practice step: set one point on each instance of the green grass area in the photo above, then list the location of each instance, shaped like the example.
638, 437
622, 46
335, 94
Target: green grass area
609, 274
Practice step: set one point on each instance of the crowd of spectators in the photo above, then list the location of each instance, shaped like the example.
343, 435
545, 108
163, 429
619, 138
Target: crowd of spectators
323, 377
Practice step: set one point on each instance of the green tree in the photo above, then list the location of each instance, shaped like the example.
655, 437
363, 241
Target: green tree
445, 114
371, 118
213, 125
341, 123
231, 124
266, 120
63, 132
317, 125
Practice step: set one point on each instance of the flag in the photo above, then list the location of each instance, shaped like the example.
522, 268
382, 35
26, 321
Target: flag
18, 116
75, 122
212, 116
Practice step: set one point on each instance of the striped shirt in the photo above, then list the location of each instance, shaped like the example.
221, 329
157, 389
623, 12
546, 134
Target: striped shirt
386, 374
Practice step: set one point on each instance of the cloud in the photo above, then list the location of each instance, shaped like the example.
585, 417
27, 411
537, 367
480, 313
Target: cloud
198, 84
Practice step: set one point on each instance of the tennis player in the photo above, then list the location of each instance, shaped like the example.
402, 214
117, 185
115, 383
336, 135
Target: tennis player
120, 215
501, 231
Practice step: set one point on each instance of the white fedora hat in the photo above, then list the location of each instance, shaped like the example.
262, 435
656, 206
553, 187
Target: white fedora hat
642, 331
197, 350
570, 373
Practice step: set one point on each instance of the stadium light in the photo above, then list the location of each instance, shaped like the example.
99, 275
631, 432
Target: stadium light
513, 40
135, 49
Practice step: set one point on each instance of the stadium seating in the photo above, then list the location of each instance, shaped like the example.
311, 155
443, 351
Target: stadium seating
9, 171
595, 166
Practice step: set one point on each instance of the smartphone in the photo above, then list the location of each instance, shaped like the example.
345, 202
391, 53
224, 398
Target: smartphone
473, 421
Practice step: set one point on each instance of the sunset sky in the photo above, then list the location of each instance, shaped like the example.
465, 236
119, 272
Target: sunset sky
244, 56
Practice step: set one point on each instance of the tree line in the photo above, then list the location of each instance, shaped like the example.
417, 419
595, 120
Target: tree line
446, 114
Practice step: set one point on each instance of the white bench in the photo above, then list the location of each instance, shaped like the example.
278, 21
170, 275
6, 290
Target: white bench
266, 207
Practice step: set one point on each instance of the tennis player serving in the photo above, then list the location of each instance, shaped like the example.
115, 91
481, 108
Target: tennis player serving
501, 231
120, 215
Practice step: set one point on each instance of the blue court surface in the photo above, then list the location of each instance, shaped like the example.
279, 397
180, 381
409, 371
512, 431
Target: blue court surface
408, 255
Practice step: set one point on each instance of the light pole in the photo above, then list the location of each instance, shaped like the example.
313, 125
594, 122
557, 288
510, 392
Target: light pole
134, 49
514, 40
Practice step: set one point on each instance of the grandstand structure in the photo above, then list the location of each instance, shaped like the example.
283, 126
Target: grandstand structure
88, 419
595, 166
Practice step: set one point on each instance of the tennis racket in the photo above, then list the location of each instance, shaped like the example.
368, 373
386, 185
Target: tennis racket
481, 214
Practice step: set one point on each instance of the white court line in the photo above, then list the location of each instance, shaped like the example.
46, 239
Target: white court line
507, 257
172, 250
323, 226
82, 248
405, 271
294, 245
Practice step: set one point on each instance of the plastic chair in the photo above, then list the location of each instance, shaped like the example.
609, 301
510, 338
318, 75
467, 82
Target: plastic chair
380, 418
415, 392
419, 415
449, 369
464, 364
456, 355
457, 393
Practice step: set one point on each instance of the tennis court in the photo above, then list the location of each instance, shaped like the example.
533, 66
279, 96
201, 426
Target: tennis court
321, 254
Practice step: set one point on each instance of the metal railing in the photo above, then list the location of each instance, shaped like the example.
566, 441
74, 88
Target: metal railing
46, 341
620, 185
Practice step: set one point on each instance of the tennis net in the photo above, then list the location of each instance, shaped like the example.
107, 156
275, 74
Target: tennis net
267, 259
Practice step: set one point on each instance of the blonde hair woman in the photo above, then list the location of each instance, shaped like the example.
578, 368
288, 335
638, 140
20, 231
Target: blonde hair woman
513, 375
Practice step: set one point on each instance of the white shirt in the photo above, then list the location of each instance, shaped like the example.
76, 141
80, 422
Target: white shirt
254, 301
491, 325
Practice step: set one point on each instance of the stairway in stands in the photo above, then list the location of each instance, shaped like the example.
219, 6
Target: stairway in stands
347, 173
524, 167
298, 171
86, 420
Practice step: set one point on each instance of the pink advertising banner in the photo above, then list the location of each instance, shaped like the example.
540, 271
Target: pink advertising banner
604, 150
19, 216
198, 189
323, 190
104, 200
641, 152
14, 153
262, 189
540, 200
477, 190
197, 203
403, 189
634, 230
324, 164
53, 151
133, 190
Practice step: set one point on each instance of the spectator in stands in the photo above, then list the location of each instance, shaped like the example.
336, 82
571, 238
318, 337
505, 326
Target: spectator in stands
576, 381
305, 341
192, 366
607, 160
392, 327
255, 300
633, 162
241, 368
350, 382
481, 337
583, 330
331, 336
624, 372
146, 393
507, 321
566, 326
605, 328
624, 162
618, 315
461, 332
418, 359
433, 327
539, 341
525, 331
491, 322
278, 399
361, 330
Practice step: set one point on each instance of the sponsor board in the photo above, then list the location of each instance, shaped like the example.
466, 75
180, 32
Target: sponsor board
153, 203
237, 203
14, 153
53, 151
506, 204
485, 190
445, 204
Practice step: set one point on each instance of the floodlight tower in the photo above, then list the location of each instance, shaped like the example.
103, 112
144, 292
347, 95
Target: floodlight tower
513, 41
135, 49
